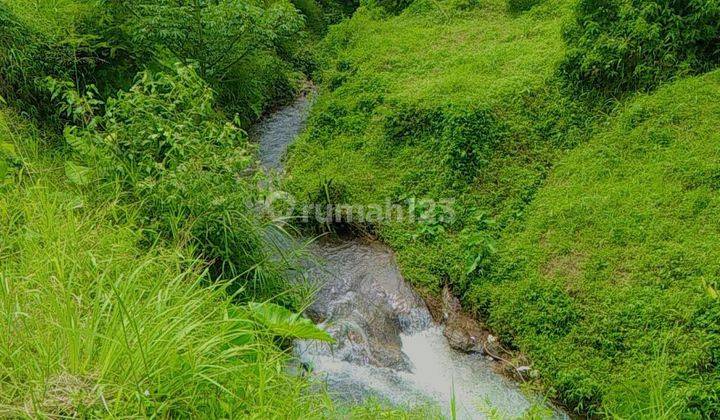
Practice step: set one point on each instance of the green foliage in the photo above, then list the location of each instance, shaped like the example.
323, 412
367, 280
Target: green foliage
416, 106
465, 137
215, 35
9, 159
284, 323
232, 43
314, 15
26, 56
65, 39
517, 6
336, 10
599, 260
610, 286
166, 146
603, 273
95, 324
391, 6
624, 45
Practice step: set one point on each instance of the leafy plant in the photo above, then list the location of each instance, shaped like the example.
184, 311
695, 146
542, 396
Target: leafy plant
79, 108
623, 45
94, 323
468, 138
217, 35
167, 148
517, 6
37, 41
281, 322
479, 244
238, 47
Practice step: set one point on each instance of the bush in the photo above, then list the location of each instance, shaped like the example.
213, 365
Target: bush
25, 57
517, 6
95, 323
167, 147
68, 40
624, 45
391, 6
234, 45
611, 283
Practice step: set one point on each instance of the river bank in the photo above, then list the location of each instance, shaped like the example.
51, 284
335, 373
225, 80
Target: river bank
389, 344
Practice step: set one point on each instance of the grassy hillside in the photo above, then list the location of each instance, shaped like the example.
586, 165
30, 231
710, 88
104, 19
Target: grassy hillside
604, 273
440, 102
580, 225
95, 322
612, 284
135, 281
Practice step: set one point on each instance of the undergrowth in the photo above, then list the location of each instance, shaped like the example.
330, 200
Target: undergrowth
93, 323
136, 280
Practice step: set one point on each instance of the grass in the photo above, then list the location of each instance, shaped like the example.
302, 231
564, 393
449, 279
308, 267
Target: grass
93, 324
587, 241
96, 322
611, 284
57, 19
400, 101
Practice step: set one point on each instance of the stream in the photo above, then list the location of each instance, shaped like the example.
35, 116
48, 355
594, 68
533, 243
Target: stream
388, 346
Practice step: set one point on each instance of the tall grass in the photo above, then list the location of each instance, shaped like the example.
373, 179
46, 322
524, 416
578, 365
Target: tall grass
92, 324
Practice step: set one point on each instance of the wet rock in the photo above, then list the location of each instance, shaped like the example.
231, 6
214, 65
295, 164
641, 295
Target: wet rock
494, 348
364, 302
463, 332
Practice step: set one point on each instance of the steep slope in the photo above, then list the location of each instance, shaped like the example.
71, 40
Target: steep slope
440, 102
605, 273
94, 322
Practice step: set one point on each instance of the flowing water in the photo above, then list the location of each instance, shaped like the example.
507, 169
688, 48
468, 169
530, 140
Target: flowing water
388, 346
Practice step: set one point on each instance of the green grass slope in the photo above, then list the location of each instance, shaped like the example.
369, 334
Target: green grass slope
605, 273
439, 102
611, 287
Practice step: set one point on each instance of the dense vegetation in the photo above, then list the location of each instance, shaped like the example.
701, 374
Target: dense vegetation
611, 282
576, 140
619, 45
584, 230
135, 280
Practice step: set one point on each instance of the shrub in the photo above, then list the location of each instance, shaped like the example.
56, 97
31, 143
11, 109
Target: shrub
468, 138
463, 137
610, 284
624, 45
234, 44
167, 147
94, 324
391, 6
25, 56
517, 6
314, 16
68, 40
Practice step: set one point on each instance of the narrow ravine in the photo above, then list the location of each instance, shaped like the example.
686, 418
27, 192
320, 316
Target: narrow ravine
388, 345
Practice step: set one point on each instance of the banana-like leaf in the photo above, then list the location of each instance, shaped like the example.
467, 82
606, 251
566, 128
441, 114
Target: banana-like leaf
284, 323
